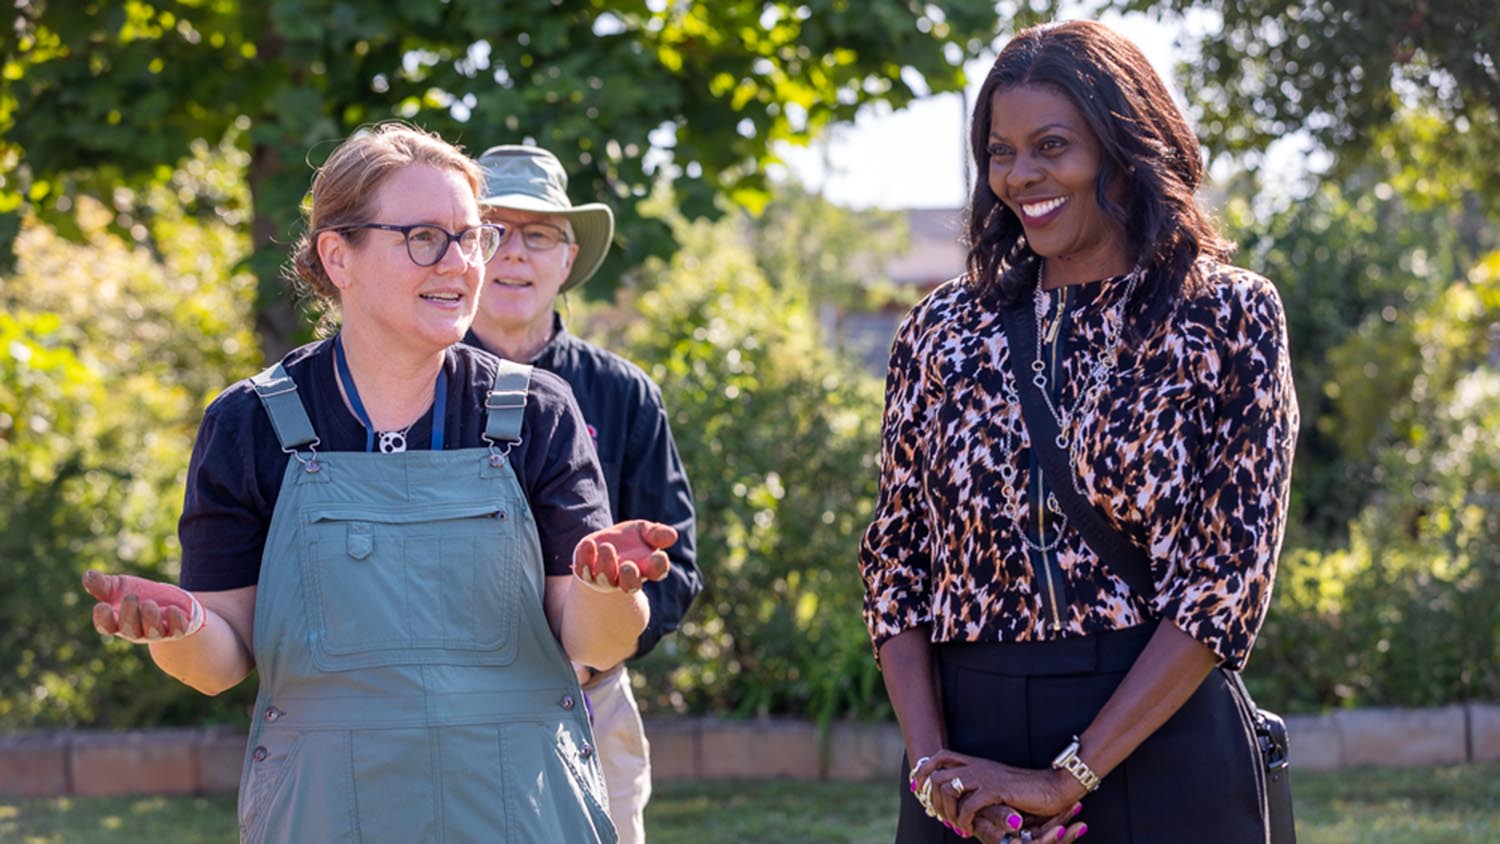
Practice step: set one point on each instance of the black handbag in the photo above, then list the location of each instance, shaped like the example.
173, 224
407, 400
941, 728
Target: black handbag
1131, 563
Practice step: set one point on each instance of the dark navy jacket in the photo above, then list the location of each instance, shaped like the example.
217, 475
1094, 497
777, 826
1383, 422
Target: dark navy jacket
642, 470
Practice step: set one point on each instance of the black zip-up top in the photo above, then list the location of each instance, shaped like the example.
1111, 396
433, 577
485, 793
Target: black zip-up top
627, 421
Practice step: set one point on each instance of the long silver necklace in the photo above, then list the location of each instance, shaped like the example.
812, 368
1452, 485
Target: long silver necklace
1099, 374
1101, 370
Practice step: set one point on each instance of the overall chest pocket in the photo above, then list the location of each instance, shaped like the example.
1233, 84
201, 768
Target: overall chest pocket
411, 585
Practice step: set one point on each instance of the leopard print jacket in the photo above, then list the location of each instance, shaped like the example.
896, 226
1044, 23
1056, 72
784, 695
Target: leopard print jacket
1186, 448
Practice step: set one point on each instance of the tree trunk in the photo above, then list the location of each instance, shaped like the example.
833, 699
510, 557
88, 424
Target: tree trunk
276, 319
277, 322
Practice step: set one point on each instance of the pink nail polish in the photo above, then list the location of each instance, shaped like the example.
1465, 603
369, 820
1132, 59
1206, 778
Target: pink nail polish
1014, 821
1083, 830
1061, 833
1077, 807
913, 786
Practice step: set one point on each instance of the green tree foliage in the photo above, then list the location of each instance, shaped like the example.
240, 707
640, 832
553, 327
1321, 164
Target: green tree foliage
1351, 260
1344, 71
780, 438
837, 255
1387, 590
106, 93
107, 356
1405, 613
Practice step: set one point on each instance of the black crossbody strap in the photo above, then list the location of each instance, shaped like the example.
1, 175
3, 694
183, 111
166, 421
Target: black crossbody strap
1117, 552
1131, 563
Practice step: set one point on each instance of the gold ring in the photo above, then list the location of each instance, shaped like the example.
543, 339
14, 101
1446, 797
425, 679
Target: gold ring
958, 786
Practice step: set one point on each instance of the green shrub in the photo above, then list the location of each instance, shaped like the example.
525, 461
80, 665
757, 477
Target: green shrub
1405, 615
107, 358
780, 438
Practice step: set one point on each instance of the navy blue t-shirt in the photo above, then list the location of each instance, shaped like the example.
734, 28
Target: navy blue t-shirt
237, 465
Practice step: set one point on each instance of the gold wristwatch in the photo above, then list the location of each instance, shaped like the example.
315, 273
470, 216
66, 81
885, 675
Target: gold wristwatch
1068, 761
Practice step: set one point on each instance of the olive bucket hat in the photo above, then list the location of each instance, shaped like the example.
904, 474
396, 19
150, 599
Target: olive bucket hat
525, 178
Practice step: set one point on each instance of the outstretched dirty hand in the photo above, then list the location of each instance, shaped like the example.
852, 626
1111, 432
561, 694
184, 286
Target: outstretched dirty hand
624, 556
140, 610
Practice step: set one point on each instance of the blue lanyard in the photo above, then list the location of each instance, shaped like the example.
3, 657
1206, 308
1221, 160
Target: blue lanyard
439, 399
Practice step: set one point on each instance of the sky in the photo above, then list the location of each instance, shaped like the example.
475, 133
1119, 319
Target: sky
916, 158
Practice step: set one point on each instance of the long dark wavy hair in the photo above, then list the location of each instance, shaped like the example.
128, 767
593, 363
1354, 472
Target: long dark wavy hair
1144, 140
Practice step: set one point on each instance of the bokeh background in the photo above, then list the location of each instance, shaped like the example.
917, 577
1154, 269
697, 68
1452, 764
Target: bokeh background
154, 154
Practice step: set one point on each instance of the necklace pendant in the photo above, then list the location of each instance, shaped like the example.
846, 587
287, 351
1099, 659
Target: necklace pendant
392, 442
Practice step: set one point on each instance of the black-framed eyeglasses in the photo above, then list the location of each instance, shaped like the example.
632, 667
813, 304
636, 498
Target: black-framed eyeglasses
426, 244
537, 237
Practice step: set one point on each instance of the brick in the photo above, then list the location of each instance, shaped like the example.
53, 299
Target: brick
219, 753
758, 749
861, 752
674, 748
1315, 741
208, 760
1484, 732
34, 764
1402, 737
136, 762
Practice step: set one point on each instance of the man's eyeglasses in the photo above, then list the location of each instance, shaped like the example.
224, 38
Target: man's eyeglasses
538, 237
426, 244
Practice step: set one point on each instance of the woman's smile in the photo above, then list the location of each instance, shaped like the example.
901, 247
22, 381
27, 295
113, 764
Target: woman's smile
1042, 212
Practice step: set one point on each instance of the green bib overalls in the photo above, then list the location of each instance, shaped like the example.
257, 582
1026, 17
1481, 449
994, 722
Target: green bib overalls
411, 689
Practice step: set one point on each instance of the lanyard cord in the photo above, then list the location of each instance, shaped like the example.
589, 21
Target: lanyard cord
439, 399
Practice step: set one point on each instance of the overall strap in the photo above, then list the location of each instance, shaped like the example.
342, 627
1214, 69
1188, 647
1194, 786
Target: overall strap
1114, 550
505, 405
278, 393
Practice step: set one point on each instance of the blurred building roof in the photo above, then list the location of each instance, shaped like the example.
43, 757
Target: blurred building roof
935, 255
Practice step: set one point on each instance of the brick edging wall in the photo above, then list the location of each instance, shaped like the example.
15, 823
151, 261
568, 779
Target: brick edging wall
97, 763
50, 763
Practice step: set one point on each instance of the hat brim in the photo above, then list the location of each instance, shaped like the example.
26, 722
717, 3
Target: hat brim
593, 227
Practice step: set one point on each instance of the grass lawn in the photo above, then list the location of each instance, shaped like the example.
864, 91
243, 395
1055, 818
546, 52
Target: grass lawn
1399, 806
1453, 805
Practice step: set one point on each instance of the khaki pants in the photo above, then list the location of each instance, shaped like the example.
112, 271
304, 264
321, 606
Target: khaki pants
624, 752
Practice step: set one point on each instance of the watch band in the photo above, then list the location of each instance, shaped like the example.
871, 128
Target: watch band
1068, 761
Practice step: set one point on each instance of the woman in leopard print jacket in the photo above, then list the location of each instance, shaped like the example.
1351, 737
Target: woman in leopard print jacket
1025, 671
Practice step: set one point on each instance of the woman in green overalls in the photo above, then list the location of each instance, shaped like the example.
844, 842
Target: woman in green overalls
407, 537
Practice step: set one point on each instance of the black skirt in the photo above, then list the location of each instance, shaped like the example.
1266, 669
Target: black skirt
1195, 779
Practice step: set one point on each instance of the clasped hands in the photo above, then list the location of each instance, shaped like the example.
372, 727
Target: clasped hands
997, 803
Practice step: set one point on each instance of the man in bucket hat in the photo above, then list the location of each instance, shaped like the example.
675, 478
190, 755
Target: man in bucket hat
550, 246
